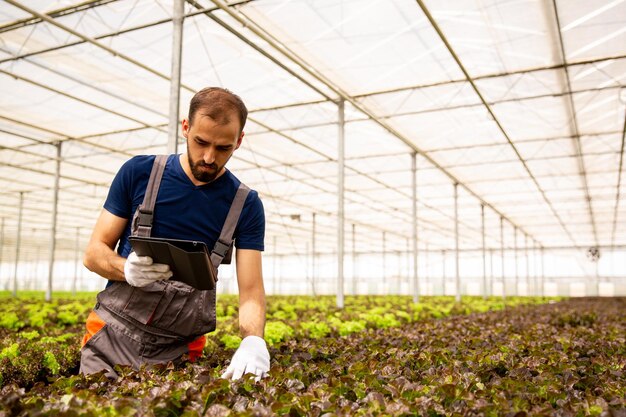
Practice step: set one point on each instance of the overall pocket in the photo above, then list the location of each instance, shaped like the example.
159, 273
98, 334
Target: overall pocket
137, 303
168, 306
185, 310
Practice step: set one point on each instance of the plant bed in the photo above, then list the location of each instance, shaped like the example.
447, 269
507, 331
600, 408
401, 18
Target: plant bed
562, 359
40, 340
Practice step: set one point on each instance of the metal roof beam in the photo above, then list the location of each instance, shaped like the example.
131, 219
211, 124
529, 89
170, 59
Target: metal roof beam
61, 137
489, 76
116, 53
619, 183
117, 33
91, 41
569, 101
51, 158
455, 165
64, 11
492, 114
67, 95
521, 141
444, 83
309, 69
458, 107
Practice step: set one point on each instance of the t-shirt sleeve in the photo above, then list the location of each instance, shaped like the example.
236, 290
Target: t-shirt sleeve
119, 200
250, 232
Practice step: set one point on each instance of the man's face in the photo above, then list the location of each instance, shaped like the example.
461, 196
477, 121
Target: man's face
210, 145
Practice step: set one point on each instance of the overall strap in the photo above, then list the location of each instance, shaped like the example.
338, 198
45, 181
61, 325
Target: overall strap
142, 220
226, 236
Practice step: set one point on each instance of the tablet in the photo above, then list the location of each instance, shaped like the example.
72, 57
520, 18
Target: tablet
189, 260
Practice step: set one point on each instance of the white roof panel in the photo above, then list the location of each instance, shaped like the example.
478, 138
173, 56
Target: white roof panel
292, 62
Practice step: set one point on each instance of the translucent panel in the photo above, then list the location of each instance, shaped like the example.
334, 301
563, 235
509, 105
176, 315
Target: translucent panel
477, 158
608, 74
497, 36
82, 90
220, 58
35, 38
409, 94
546, 149
319, 35
599, 111
131, 141
592, 29
8, 138
516, 87
17, 159
449, 129
602, 144
424, 99
298, 116
9, 14
367, 138
565, 166
536, 118
288, 150
117, 16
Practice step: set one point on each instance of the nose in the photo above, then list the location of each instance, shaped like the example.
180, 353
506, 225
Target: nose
209, 156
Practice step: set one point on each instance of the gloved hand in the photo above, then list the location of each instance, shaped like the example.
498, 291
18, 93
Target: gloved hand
140, 271
251, 357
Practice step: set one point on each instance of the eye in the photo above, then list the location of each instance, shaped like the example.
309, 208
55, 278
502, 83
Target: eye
223, 148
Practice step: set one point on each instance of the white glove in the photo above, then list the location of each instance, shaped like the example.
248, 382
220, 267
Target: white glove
251, 357
140, 271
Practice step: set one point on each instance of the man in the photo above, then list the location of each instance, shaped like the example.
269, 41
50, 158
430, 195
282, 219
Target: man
143, 316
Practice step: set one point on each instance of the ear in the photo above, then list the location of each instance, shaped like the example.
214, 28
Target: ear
239, 140
185, 126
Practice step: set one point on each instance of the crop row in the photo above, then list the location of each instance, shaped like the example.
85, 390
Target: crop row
558, 359
40, 340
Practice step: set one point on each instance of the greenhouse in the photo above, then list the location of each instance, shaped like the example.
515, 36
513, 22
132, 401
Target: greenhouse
437, 178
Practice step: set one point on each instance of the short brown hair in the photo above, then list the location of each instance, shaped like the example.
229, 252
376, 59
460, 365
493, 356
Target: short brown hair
218, 103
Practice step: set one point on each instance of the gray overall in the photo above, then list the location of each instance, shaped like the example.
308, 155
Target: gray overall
155, 323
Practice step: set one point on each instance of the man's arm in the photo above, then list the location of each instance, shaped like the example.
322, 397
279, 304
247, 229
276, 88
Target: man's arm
252, 355
100, 256
251, 292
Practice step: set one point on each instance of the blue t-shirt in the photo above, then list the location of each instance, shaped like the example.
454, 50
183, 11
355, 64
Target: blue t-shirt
184, 210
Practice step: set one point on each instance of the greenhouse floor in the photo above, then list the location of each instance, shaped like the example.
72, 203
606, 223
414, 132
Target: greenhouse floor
378, 356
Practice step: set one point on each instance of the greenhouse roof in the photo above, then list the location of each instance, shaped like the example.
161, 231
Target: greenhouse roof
521, 103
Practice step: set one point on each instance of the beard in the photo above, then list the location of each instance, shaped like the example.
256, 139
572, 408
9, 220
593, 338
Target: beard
203, 172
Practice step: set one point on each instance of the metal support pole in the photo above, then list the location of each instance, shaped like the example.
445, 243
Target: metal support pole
37, 258
491, 277
527, 255
313, 233
408, 263
274, 266
77, 251
444, 273
2, 245
340, 198
516, 289
456, 242
17, 242
482, 223
354, 272
416, 291
597, 263
385, 278
177, 54
53, 229
427, 269
503, 260
535, 274
542, 273
307, 276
